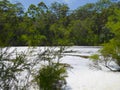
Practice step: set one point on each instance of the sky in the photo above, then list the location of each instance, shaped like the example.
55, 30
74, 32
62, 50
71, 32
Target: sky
73, 4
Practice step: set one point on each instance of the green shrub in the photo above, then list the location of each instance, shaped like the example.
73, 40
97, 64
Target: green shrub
51, 77
94, 57
52, 74
11, 65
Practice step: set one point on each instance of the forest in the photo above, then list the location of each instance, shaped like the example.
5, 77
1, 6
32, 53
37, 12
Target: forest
56, 25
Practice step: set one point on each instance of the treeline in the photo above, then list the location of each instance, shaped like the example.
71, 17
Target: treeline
56, 24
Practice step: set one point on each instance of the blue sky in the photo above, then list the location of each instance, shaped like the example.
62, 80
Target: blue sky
73, 4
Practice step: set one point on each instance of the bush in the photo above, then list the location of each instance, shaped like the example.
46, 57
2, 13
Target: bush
11, 65
17, 69
52, 74
51, 77
110, 52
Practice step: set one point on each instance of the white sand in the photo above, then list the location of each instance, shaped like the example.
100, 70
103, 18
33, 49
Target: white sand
81, 77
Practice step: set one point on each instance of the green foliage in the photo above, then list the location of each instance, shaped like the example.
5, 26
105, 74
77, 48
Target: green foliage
57, 25
51, 77
113, 47
114, 23
52, 74
12, 64
60, 10
17, 68
94, 57
111, 50
108, 49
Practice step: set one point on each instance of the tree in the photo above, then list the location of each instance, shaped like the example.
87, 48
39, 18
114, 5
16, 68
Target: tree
60, 10
11, 15
111, 50
113, 25
82, 33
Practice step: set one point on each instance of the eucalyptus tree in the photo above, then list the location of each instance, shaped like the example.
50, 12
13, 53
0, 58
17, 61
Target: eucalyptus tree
113, 25
36, 17
60, 10
59, 29
10, 15
111, 50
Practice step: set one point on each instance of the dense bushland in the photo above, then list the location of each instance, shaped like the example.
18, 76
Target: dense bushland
56, 24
